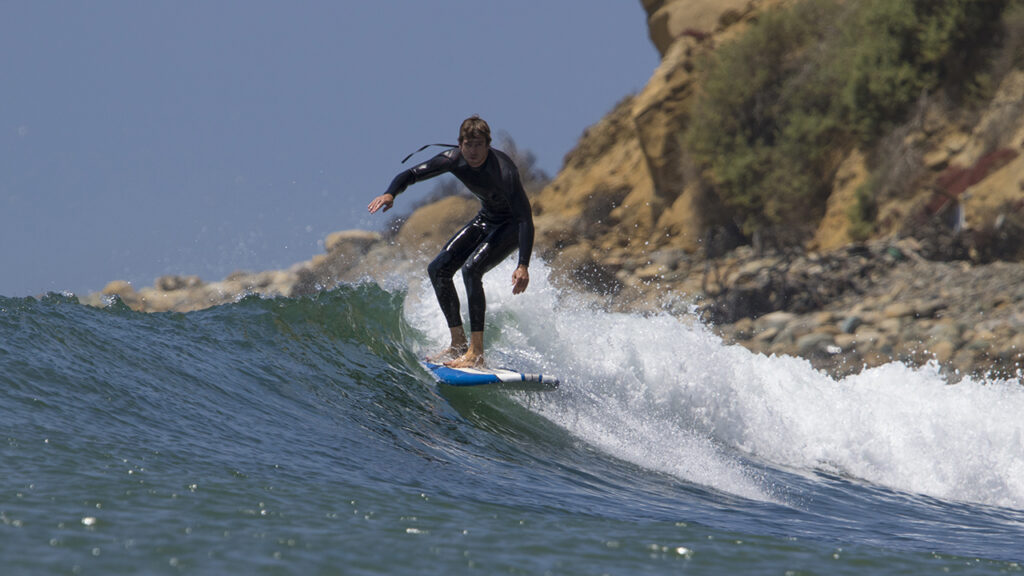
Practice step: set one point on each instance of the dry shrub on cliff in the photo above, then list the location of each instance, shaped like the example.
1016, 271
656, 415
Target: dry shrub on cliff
899, 49
763, 125
787, 100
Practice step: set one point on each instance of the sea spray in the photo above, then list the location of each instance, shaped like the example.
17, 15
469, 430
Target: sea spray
607, 362
666, 394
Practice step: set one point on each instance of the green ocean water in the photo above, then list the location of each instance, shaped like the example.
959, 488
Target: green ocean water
302, 436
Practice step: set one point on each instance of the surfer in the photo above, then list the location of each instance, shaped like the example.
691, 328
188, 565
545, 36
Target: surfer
504, 222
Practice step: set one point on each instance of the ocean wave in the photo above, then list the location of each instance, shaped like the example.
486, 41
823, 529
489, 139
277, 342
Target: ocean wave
656, 420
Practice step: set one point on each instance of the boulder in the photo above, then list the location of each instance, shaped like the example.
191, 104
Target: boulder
815, 344
668, 20
119, 288
358, 240
173, 283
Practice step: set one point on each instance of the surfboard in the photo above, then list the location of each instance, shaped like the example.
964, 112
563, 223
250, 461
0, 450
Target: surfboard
496, 377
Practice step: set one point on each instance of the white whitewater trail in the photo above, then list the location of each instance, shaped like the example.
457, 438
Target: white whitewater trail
666, 394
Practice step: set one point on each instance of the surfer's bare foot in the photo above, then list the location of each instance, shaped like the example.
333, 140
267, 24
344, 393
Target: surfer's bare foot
458, 347
474, 356
468, 360
448, 353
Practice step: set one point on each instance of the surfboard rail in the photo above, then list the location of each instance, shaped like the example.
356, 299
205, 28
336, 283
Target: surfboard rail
484, 376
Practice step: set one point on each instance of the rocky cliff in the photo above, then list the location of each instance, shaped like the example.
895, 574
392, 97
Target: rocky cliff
631, 220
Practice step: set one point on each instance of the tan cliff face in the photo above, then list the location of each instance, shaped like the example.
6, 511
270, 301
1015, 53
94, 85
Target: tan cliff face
631, 170
627, 194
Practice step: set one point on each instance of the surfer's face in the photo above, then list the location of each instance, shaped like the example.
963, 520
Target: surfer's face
474, 150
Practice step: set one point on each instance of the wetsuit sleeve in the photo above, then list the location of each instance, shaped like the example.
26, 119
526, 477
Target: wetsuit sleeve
524, 214
437, 165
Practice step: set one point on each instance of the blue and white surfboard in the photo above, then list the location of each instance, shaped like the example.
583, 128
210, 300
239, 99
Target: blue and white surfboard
501, 377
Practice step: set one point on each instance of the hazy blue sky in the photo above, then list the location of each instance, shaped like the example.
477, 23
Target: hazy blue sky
143, 138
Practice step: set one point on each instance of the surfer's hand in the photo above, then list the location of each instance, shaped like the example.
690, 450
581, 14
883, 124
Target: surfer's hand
520, 279
385, 201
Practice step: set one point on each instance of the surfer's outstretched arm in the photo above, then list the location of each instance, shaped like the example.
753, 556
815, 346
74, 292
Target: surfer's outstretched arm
437, 165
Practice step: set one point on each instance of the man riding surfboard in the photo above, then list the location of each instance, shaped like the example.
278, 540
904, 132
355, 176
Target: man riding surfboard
505, 222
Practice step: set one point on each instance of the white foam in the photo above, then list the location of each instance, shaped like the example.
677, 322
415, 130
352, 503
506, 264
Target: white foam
606, 361
668, 395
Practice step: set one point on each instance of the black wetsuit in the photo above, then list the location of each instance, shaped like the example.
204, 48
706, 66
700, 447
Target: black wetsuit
505, 221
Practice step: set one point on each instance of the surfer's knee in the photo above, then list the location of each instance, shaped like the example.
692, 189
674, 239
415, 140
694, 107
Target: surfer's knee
475, 268
473, 276
440, 268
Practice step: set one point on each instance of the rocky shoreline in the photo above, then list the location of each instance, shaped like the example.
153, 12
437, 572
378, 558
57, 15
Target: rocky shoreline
857, 307
853, 308
896, 305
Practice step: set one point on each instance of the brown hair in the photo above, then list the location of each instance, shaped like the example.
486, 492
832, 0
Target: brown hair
474, 127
